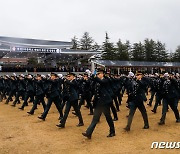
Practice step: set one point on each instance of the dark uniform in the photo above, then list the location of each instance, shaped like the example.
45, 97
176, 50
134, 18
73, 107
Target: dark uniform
13, 84
159, 96
29, 93
136, 97
21, 90
86, 94
72, 100
1, 88
102, 101
152, 84
39, 95
169, 97
53, 95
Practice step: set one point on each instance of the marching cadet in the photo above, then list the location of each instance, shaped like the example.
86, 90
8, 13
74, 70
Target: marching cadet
136, 96
53, 95
158, 89
13, 90
39, 94
102, 101
20, 89
169, 97
1, 88
177, 88
29, 91
86, 93
72, 100
110, 91
152, 83
6, 86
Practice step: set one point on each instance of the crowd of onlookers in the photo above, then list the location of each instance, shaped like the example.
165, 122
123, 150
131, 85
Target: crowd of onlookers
43, 69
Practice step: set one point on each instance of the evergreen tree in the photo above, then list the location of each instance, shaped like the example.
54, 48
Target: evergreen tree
86, 42
95, 46
176, 55
138, 52
108, 52
122, 50
149, 46
160, 52
75, 43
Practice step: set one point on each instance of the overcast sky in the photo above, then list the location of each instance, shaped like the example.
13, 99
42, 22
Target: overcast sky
132, 20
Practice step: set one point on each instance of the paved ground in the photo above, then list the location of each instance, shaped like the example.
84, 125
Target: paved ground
21, 134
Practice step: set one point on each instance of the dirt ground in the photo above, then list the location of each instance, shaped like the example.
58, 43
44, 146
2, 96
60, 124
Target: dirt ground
21, 133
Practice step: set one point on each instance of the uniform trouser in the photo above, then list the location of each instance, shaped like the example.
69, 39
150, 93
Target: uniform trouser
142, 109
26, 97
1, 95
88, 100
64, 102
158, 101
5, 91
171, 103
99, 109
116, 102
152, 97
74, 104
176, 102
113, 109
57, 102
19, 93
39, 98
11, 93
119, 96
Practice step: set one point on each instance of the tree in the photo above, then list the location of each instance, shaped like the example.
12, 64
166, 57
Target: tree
95, 46
149, 46
108, 52
75, 43
138, 52
86, 42
161, 52
32, 61
122, 50
176, 55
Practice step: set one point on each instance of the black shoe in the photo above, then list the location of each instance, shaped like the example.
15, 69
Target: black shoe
60, 126
80, 124
178, 120
90, 113
86, 135
127, 129
111, 135
149, 104
146, 127
13, 105
117, 110
30, 113
153, 111
21, 108
161, 123
42, 118
115, 119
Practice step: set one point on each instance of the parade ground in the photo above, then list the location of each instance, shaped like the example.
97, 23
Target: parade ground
21, 133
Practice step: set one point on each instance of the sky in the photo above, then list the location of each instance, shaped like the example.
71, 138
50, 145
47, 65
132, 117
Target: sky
133, 20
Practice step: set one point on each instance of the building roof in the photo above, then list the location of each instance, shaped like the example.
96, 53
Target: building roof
115, 63
32, 42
